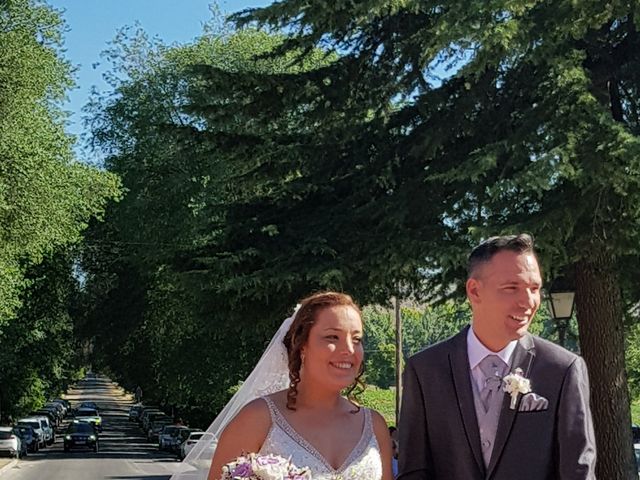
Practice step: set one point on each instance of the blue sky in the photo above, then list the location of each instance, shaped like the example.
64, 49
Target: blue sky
93, 23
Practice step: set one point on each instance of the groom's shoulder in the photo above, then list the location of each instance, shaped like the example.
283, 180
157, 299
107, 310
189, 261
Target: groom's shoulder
552, 352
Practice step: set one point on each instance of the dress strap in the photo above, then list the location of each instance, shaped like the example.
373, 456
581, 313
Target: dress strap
273, 410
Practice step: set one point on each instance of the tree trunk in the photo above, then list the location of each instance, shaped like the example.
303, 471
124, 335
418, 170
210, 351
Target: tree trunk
600, 320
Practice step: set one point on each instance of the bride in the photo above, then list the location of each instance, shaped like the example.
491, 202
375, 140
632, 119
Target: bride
307, 419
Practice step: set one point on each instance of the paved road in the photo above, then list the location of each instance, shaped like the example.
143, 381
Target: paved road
124, 452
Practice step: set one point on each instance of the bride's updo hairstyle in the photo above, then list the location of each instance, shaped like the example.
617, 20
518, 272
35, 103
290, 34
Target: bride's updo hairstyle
298, 335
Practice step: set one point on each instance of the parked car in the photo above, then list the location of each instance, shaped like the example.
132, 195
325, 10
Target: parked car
636, 449
179, 438
148, 416
134, 412
635, 431
146, 411
29, 437
93, 405
156, 417
166, 436
58, 408
52, 418
89, 415
189, 443
65, 403
80, 435
37, 427
11, 443
47, 428
156, 426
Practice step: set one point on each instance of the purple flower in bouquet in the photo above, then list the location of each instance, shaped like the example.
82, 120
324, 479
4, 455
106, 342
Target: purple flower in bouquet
263, 467
269, 460
242, 470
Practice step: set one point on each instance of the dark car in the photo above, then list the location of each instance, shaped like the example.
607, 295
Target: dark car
80, 435
156, 426
57, 408
29, 437
181, 437
635, 431
134, 412
65, 403
93, 405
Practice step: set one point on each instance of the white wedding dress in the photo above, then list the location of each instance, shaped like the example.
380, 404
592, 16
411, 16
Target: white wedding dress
270, 375
363, 463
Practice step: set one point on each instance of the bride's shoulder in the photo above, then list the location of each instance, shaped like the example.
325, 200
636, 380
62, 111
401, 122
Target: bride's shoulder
254, 416
246, 432
256, 410
378, 421
380, 429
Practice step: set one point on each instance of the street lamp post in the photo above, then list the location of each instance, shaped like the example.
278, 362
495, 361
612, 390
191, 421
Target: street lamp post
398, 318
561, 299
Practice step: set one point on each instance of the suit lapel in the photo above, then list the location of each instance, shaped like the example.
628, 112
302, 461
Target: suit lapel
523, 357
459, 364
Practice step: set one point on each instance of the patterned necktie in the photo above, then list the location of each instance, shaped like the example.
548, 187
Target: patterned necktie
492, 368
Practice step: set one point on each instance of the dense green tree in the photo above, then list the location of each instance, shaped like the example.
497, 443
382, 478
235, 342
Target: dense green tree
45, 197
438, 126
158, 308
40, 354
506, 116
46, 200
425, 129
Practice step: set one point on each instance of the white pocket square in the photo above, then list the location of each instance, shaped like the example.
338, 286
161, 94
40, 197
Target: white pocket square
532, 402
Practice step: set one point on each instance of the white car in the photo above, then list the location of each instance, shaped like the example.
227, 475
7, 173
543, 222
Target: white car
636, 449
47, 428
37, 427
189, 443
10, 442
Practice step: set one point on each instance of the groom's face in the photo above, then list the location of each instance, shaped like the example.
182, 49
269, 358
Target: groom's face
505, 295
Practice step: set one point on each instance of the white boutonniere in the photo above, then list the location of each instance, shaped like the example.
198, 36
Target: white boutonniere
514, 384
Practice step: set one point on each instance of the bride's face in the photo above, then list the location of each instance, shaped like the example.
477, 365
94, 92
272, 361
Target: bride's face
334, 351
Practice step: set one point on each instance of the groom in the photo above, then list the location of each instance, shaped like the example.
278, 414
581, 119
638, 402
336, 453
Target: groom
457, 422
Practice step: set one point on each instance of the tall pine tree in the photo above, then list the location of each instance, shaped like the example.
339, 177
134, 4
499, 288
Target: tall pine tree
471, 119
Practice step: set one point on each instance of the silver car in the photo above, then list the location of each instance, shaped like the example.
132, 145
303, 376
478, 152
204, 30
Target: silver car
37, 427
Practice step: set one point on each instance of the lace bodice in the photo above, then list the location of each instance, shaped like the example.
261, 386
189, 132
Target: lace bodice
363, 463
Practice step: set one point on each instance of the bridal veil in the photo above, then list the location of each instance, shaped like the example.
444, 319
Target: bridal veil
270, 375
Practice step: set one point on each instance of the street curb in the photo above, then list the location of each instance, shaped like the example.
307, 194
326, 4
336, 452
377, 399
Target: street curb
9, 465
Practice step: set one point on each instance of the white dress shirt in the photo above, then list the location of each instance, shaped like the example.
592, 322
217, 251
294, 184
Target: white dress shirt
477, 351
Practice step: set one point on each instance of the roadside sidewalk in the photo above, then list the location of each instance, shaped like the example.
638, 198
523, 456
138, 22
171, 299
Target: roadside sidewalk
6, 464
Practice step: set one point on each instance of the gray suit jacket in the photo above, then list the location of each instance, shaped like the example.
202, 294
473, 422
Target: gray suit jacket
438, 430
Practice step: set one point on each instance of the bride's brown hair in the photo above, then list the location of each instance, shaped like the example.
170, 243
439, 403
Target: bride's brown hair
298, 334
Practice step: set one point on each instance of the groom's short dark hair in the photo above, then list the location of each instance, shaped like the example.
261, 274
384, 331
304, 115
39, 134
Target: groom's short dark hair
484, 252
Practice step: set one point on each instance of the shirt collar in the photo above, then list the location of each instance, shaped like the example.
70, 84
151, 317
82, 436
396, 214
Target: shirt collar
477, 351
